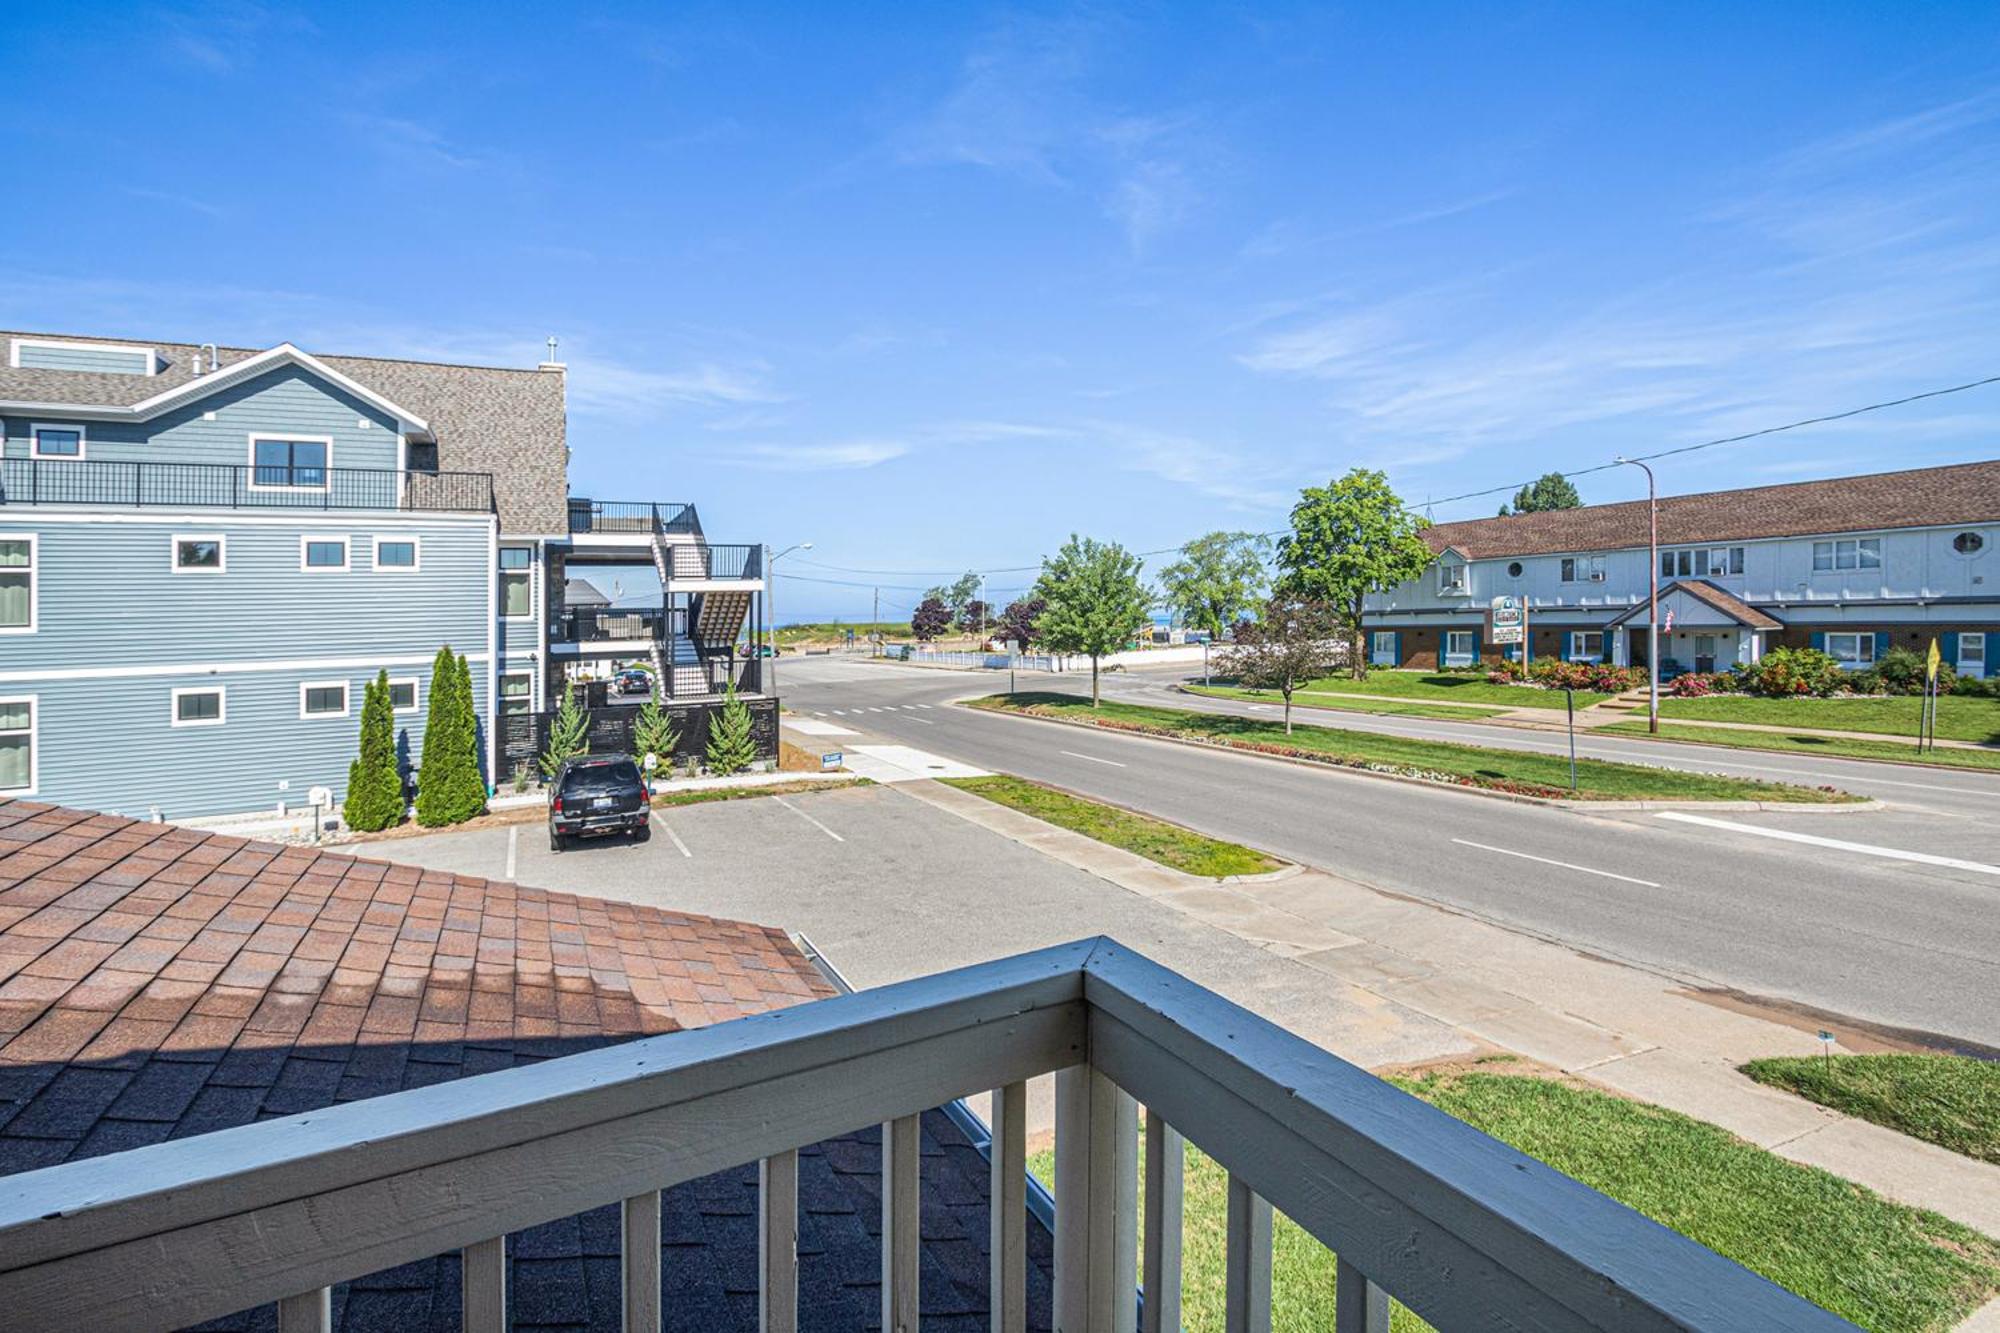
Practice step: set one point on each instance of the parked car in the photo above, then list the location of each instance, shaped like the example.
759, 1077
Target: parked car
596, 794
635, 681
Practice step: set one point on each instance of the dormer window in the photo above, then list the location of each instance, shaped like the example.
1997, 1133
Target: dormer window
1451, 579
56, 442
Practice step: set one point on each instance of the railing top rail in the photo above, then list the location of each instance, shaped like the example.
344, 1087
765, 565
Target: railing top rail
292, 1204
1453, 1223
165, 483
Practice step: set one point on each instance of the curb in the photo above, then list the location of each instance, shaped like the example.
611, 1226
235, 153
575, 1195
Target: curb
1519, 798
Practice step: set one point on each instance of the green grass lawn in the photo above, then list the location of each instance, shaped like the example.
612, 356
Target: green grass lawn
1449, 688
1959, 718
1832, 746
1506, 770
1346, 703
1880, 1264
1950, 1100
1154, 839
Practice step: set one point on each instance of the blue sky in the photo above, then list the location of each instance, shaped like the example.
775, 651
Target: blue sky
933, 286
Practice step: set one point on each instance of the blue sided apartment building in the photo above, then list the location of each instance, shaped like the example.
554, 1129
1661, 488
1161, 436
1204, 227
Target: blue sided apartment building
207, 552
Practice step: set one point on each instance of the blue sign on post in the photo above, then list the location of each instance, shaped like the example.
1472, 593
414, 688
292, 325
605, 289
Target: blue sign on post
831, 760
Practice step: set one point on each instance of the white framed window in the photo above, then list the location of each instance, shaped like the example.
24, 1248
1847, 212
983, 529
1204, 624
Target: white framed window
1853, 651
398, 555
1451, 578
290, 462
1586, 645
323, 698
403, 695
1582, 569
1701, 562
1458, 647
1382, 647
1846, 553
56, 441
17, 745
517, 583
199, 706
1972, 654
19, 575
199, 553
323, 555
517, 693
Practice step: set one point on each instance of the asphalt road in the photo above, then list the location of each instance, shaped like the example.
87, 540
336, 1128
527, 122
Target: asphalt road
1888, 941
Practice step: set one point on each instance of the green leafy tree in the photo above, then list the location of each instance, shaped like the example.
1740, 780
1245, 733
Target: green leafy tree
1552, 490
567, 732
1350, 538
374, 782
932, 618
654, 733
434, 776
1094, 601
1216, 580
956, 595
731, 749
1294, 640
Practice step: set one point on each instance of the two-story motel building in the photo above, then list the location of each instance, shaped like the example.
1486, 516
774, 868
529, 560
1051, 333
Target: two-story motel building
207, 552
1852, 565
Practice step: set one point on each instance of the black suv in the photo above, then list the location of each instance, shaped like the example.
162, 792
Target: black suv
598, 793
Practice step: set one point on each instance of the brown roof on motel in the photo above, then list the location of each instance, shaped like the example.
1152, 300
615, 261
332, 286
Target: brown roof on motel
1962, 493
1728, 603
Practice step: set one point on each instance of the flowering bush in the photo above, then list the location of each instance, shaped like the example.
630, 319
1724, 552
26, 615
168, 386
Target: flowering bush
1694, 685
1789, 672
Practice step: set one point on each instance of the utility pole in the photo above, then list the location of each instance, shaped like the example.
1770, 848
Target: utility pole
1653, 611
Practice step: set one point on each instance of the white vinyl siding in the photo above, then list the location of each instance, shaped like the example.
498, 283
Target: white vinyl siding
18, 574
17, 745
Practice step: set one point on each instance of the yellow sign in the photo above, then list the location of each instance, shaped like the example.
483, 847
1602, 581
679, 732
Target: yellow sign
1931, 663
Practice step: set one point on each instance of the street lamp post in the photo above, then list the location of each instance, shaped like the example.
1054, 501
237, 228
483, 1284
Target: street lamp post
771, 603
1653, 611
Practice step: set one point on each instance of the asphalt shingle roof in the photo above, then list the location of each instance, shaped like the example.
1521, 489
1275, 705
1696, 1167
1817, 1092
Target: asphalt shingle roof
159, 982
1921, 497
509, 422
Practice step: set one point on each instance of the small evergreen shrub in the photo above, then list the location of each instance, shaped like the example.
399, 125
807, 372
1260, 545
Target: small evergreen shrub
374, 782
567, 733
654, 733
730, 747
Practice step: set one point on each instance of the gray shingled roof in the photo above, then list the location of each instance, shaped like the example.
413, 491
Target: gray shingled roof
508, 422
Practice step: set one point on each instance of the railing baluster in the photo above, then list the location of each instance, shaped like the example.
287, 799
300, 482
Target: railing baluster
901, 1142
1247, 1281
307, 1312
778, 1243
1359, 1306
640, 1263
483, 1286
1007, 1243
1166, 1162
1097, 1184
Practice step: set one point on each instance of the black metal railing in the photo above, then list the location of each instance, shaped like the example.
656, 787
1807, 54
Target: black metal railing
598, 624
634, 516
95, 481
702, 561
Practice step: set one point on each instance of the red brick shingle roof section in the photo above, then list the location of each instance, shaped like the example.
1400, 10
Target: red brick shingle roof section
1922, 497
119, 937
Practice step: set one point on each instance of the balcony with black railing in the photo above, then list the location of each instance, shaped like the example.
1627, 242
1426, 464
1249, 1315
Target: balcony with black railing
94, 481
702, 560
631, 518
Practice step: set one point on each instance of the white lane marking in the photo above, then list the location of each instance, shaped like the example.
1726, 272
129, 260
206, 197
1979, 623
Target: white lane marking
668, 830
513, 845
1548, 862
808, 818
1091, 757
877, 710
815, 726
926, 721
1838, 844
841, 711
920, 705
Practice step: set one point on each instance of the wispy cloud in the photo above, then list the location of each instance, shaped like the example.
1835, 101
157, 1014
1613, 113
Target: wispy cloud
840, 456
188, 202
412, 141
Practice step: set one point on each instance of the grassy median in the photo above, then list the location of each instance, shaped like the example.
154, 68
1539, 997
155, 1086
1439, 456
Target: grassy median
1832, 747
1348, 704
1959, 717
1880, 1264
1950, 1100
1467, 687
1446, 761
1155, 839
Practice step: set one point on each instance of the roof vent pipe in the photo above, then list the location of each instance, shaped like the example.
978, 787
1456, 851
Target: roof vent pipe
214, 357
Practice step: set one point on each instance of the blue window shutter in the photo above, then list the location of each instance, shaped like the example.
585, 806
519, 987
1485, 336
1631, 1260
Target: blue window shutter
1948, 647
1604, 648
1475, 647
1819, 639
1569, 644
1399, 649
1881, 643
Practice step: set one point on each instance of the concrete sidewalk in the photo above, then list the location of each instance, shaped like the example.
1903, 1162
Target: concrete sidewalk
1622, 1027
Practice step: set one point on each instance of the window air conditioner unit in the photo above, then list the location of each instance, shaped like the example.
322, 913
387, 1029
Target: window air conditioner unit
1597, 576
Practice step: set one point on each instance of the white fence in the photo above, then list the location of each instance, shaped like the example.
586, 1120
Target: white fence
1466, 1231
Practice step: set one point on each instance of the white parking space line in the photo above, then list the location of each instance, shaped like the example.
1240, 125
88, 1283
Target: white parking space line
513, 845
668, 830
1838, 844
808, 818
1526, 856
1092, 758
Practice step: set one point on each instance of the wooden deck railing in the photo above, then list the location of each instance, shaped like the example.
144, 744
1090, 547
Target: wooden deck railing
1464, 1230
